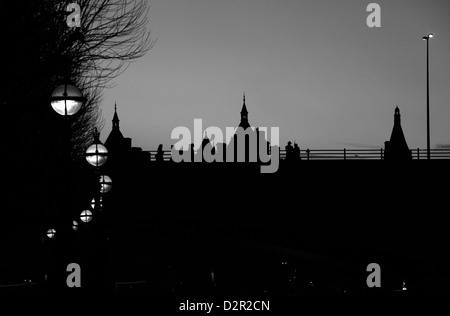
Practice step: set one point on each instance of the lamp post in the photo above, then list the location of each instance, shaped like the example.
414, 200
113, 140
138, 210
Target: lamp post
105, 184
86, 216
96, 156
427, 38
66, 100
51, 233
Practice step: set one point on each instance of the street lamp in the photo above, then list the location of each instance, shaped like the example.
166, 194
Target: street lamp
67, 100
86, 216
427, 38
51, 233
100, 203
105, 184
96, 154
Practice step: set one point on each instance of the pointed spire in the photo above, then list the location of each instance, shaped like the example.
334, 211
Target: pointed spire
396, 147
244, 107
115, 119
115, 141
244, 116
397, 116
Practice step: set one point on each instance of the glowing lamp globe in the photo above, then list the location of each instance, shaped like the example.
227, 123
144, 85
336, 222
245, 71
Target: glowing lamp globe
86, 216
96, 155
51, 233
100, 203
105, 184
67, 100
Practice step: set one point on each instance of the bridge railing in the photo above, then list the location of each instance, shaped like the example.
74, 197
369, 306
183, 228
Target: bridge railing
343, 154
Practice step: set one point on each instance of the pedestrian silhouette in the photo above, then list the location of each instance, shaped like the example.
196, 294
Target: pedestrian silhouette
289, 151
297, 152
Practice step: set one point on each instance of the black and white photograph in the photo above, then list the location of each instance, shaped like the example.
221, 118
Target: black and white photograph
225, 155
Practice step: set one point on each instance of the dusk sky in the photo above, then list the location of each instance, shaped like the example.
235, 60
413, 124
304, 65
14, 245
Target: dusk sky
313, 68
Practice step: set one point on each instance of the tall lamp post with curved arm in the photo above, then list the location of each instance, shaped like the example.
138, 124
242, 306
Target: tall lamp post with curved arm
427, 39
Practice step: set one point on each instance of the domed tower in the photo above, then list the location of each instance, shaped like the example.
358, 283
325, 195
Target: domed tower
116, 143
115, 138
244, 143
244, 116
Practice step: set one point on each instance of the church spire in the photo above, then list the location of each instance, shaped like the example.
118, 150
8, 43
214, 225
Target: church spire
244, 116
115, 120
397, 148
397, 117
244, 107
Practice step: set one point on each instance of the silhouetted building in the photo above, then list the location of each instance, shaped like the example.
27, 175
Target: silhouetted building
245, 141
116, 143
244, 117
119, 147
397, 148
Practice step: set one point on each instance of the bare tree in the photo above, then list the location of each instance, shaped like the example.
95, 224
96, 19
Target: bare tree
112, 34
44, 52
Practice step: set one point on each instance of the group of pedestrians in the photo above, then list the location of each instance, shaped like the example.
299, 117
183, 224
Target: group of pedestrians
292, 152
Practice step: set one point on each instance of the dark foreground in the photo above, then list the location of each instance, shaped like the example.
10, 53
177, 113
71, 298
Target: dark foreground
205, 230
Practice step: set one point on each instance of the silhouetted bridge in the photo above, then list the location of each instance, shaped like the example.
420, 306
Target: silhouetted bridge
344, 154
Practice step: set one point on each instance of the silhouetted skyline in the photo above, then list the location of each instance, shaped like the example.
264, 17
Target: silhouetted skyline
313, 68
129, 216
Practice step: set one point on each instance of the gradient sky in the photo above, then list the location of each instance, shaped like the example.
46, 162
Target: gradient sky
313, 68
